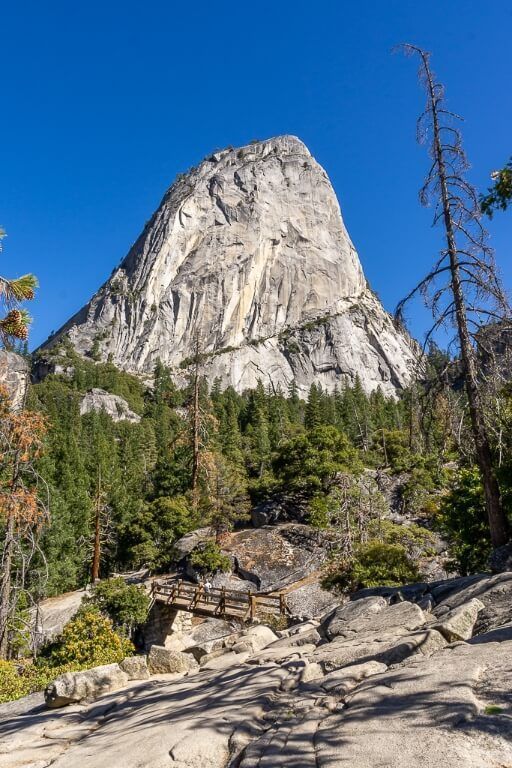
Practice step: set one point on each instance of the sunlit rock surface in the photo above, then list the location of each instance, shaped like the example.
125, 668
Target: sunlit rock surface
248, 253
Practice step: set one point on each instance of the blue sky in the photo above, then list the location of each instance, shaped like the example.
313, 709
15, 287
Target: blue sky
104, 103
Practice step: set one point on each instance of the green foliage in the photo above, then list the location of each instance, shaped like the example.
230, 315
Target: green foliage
417, 541
499, 196
310, 461
463, 521
160, 523
418, 492
263, 442
19, 679
209, 558
88, 640
373, 564
126, 605
14, 326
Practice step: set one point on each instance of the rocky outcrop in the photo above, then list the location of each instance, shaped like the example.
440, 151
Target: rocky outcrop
53, 614
274, 557
14, 377
249, 253
165, 660
98, 400
72, 687
372, 683
136, 667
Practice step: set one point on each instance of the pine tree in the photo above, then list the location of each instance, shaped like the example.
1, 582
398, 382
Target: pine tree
313, 413
14, 326
258, 430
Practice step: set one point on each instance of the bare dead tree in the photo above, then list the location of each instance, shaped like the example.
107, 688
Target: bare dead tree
196, 422
23, 508
462, 289
102, 533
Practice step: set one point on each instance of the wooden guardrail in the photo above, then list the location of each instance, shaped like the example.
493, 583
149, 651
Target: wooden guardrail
217, 601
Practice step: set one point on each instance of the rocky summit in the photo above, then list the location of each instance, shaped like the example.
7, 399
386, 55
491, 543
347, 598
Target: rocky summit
247, 258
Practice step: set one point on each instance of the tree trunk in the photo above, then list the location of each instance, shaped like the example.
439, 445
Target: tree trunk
95, 568
497, 518
195, 431
5, 587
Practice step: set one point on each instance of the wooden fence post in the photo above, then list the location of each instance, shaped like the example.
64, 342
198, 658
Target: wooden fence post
253, 606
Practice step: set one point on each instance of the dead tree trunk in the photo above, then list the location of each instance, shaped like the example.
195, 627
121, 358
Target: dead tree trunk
470, 270
96, 552
196, 425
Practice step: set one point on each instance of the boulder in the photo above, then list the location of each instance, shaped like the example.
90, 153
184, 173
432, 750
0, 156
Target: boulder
259, 636
73, 687
226, 660
54, 613
308, 637
98, 400
184, 546
272, 558
495, 592
311, 672
338, 620
458, 624
164, 661
388, 648
279, 509
342, 681
309, 601
283, 654
372, 615
136, 667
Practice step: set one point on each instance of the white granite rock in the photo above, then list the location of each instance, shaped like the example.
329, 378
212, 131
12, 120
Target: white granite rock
98, 400
248, 250
73, 687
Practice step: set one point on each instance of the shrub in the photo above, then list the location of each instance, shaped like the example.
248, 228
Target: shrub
209, 558
19, 679
374, 564
417, 541
88, 640
463, 521
127, 605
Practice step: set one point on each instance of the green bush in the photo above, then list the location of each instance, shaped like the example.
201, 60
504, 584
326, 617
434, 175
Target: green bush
416, 540
88, 640
374, 564
418, 490
463, 521
127, 605
19, 679
209, 558
309, 462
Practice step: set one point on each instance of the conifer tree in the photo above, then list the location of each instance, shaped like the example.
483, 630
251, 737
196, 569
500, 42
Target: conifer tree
313, 413
14, 326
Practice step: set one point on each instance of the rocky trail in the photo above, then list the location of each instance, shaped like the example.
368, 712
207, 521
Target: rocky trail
379, 681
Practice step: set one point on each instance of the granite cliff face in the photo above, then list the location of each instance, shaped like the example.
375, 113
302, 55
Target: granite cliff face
249, 253
14, 377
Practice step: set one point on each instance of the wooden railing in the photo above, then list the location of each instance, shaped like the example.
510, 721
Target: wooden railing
217, 601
